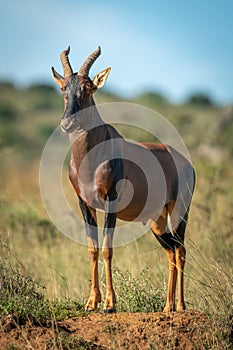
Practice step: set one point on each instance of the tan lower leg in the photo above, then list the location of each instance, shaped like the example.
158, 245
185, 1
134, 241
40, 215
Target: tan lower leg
170, 303
180, 262
110, 294
110, 300
95, 296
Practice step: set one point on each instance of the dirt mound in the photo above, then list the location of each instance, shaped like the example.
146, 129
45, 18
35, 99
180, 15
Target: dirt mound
186, 330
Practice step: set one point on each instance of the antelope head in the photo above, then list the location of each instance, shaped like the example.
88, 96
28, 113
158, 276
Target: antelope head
78, 88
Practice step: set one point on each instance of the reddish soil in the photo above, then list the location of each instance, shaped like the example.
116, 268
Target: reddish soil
186, 330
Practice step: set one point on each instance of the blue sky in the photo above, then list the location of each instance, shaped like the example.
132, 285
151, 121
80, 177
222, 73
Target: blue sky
174, 47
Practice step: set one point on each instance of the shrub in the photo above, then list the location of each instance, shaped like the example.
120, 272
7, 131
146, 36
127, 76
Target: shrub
200, 99
7, 112
6, 85
137, 294
152, 98
23, 298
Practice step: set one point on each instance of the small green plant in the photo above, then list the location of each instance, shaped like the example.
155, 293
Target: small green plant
67, 308
67, 342
137, 294
13, 347
111, 329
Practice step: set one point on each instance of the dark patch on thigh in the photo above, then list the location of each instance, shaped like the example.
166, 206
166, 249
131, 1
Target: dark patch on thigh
167, 240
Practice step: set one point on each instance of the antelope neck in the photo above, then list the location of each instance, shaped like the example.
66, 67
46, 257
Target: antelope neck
91, 130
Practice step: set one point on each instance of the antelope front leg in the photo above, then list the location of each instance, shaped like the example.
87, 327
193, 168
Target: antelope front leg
95, 296
107, 251
110, 300
90, 219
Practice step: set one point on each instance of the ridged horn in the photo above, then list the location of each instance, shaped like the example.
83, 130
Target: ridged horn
66, 63
84, 70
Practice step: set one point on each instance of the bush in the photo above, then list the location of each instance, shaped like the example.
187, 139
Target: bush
152, 98
23, 298
137, 294
200, 99
7, 112
6, 85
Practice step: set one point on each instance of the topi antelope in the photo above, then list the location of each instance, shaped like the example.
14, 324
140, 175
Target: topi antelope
100, 172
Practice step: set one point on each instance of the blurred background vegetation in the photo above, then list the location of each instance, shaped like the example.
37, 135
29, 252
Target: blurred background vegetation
28, 116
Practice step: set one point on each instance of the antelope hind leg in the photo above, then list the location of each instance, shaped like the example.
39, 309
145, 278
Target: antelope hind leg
165, 239
107, 251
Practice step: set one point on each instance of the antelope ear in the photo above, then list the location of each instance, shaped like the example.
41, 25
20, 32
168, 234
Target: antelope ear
57, 77
100, 79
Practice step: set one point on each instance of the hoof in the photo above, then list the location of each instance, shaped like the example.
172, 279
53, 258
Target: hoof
89, 311
110, 311
181, 308
169, 309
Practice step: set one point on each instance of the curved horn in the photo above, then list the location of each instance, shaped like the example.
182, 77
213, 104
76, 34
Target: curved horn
84, 70
66, 63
